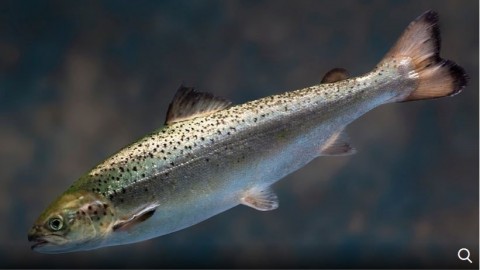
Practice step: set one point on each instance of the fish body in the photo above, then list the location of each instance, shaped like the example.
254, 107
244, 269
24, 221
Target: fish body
210, 156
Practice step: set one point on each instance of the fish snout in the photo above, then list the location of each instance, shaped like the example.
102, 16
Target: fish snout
36, 238
34, 233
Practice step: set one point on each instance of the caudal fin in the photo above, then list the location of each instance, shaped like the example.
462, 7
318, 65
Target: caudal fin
421, 43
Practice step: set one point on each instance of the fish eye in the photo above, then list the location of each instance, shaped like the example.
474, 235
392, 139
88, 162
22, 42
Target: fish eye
55, 223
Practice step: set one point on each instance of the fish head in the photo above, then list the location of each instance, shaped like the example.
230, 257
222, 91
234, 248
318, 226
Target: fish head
75, 221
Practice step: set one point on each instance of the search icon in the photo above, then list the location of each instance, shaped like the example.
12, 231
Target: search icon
466, 258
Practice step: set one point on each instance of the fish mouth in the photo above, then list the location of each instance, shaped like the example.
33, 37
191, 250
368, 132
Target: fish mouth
39, 243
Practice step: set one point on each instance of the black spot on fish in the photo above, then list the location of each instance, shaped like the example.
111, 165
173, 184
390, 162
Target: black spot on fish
135, 168
121, 169
95, 212
143, 175
123, 190
89, 207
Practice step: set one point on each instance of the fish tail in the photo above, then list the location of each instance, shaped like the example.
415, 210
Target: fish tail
420, 44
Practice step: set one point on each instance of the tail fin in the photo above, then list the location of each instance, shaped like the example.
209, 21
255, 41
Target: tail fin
421, 43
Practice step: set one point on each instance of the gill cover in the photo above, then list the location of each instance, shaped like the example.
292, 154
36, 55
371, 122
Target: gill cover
75, 221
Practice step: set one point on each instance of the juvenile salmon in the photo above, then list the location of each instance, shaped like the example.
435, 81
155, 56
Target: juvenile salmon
211, 156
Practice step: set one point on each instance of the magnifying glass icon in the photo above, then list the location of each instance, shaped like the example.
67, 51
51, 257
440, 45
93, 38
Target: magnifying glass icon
465, 252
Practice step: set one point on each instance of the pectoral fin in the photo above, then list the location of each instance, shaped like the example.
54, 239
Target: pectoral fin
337, 145
135, 219
260, 199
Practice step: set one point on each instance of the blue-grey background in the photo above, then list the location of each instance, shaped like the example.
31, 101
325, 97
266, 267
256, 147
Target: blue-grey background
81, 79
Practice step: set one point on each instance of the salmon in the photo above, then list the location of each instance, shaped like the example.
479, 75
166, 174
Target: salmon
211, 156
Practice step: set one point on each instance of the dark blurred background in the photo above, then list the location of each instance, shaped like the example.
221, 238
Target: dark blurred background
81, 79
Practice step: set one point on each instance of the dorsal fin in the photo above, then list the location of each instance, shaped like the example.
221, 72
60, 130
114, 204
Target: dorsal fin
189, 103
335, 75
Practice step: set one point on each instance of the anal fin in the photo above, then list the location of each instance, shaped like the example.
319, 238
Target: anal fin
337, 145
260, 199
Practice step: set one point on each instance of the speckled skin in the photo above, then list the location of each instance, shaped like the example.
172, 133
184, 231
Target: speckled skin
200, 167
